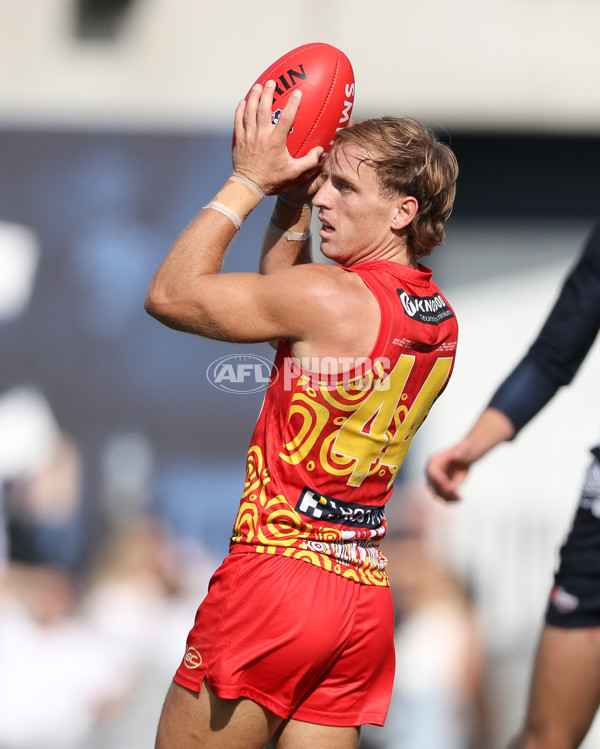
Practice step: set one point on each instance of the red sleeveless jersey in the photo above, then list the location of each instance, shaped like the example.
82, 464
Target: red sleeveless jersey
327, 448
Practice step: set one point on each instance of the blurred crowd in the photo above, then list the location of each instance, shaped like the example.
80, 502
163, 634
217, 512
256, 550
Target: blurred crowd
89, 637
439, 690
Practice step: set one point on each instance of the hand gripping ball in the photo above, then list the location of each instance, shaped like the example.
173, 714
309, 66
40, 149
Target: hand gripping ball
325, 76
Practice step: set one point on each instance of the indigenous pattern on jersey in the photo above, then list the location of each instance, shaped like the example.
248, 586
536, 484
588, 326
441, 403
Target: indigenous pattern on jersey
327, 448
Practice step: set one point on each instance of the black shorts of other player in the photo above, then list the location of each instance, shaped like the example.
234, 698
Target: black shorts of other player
575, 597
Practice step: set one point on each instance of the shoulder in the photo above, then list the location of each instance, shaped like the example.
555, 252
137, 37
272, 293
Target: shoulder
321, 283
334, 311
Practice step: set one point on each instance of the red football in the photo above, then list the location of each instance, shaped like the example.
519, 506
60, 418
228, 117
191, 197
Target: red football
325, 76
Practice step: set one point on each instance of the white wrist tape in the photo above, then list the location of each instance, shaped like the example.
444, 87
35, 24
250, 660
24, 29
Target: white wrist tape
293, 236
226, 211
249, 184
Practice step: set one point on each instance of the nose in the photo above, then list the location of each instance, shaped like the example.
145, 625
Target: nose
320, 197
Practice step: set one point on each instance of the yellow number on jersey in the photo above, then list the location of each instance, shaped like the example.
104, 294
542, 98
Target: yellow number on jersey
365, 434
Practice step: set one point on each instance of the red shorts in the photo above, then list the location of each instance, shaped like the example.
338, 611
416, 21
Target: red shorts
303, 642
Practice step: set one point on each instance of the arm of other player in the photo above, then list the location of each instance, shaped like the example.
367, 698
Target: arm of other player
552, 361
447, 470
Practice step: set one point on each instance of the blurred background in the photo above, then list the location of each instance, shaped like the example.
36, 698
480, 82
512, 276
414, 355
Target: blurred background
121, 465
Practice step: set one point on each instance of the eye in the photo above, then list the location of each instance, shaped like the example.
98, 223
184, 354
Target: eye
342, 185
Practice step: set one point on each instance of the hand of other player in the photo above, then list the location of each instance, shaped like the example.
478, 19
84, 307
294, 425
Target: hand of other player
260, 153
446, 472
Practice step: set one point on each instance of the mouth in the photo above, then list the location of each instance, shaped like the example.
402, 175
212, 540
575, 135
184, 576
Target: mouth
326, 229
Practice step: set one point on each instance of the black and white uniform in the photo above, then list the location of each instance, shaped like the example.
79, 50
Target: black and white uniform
551, 362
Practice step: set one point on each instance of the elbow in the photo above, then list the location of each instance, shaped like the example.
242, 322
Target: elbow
159, 305
174, 311
154, 303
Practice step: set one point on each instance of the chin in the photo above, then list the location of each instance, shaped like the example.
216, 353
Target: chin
329, 250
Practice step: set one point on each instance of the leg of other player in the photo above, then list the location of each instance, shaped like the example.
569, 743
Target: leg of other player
565, 689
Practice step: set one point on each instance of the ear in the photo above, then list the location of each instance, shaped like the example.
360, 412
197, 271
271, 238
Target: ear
405, 210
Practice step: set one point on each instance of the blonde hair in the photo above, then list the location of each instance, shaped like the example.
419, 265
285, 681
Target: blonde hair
409, 159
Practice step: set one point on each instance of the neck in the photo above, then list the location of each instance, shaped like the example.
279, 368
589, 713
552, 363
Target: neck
395, 254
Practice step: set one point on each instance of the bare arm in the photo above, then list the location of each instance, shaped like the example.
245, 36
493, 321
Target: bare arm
280, 251
287, 239
188, 292
447, 470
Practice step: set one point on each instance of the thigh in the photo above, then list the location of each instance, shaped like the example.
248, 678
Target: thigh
298, 735
201, 720
565, 688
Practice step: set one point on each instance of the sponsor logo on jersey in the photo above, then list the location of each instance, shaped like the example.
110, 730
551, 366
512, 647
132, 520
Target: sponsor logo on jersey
562, 600
318, 506
192, 658
431, 310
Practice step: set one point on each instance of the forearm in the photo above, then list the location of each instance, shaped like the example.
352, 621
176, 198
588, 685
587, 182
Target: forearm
447, 470
491, 428
287, 238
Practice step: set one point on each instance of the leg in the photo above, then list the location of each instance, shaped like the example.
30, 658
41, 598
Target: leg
204, 721
565, 689
299, 735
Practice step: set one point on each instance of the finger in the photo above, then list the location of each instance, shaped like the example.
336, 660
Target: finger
451, 497
265, 105
439, 477
252, 107
442, 492
316, 152
310, 162
433, 484
238, 120
288, 113
449, 491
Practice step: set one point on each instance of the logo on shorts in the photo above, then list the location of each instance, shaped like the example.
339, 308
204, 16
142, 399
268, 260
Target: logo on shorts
192, 658
563, 601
